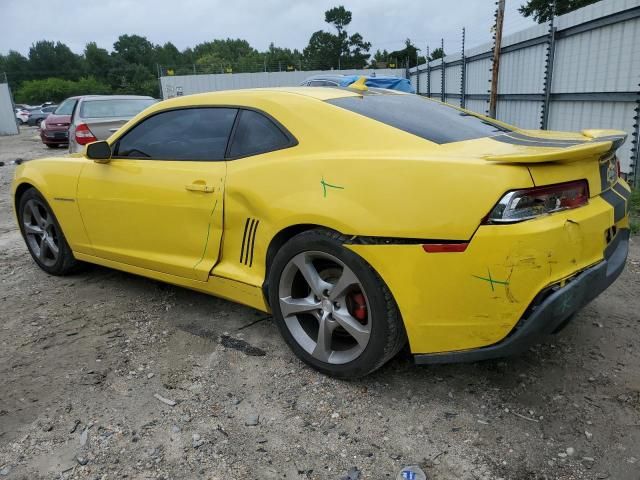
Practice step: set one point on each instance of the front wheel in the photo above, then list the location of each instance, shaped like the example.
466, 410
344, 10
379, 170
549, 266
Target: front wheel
43, 235
332, 308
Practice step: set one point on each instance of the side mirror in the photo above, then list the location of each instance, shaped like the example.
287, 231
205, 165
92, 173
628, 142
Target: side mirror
99, 151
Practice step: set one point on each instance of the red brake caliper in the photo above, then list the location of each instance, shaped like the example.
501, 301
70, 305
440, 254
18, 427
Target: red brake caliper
359, 307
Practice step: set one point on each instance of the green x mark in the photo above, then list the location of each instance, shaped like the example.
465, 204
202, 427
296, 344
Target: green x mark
325, 185
491, 280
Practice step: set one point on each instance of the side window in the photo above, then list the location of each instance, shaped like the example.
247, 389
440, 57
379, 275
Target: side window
189, 134
255, 133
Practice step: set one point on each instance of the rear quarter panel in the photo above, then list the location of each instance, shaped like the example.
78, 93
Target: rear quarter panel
364, 197
369, 180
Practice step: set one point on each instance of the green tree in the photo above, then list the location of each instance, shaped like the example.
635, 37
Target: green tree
57, 89
227, 50
48, 59
168, 55
409, 54
276, 58
16, 67
135, 50
97, 60
436, 54
322, 52
229, 55
541, 9
327, 50
129, 78
380, 56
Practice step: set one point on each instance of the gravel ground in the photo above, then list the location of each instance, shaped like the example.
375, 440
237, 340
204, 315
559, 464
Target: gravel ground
106, 375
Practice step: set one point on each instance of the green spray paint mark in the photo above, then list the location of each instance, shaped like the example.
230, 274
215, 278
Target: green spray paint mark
491, 280
325, 185
206, 242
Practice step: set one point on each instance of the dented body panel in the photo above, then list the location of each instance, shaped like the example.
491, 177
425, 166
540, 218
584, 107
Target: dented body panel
475, 298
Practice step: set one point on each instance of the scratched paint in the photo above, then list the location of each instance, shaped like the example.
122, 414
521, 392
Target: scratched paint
326, 185
206, 242
492, 281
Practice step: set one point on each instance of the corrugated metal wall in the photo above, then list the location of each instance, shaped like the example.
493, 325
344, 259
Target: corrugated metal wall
188, 84
8, 124
595, 74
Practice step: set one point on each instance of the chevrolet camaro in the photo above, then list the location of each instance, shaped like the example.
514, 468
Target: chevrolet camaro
363, 220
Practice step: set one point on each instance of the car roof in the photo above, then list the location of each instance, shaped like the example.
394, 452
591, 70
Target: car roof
319, 93
326, 76
249, 96
115, 97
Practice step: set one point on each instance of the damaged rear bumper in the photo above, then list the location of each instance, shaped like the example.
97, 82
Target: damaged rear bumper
551, 310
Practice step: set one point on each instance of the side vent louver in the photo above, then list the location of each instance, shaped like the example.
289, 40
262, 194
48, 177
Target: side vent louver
248, 241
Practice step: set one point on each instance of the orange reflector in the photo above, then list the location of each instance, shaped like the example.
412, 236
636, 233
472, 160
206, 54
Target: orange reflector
444, 247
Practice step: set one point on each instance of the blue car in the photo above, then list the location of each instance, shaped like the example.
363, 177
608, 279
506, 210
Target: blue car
382, 81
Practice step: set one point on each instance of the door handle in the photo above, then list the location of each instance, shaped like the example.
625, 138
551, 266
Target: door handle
113, 130
199, 187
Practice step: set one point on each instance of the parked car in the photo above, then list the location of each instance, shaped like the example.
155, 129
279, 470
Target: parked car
359, 221
54, 130
37, 116
96, 117
22, 115
371, 81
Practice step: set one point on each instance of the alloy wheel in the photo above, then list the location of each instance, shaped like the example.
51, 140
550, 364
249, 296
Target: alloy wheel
325, 307
40, 232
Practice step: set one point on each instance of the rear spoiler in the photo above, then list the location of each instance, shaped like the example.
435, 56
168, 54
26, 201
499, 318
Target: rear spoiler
601, 142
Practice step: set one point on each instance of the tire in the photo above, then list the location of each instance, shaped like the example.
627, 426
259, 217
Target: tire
360, 317
51, 145
41, 232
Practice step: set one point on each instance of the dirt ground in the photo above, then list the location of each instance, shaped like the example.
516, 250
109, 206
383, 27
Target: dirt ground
83, 359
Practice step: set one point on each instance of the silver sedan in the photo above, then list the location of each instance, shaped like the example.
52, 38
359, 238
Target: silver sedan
96, 117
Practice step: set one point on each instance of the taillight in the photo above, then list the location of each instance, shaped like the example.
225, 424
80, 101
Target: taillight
520, 205
450, 247
84, 135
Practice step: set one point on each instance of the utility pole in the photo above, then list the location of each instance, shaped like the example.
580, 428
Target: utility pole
428, 73
495, 69
443, 75
548, 68
463, 75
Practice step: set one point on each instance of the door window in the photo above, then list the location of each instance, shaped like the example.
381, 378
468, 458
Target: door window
189, 134
256, 133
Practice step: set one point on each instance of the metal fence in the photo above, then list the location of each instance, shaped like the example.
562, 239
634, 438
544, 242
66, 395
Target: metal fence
580, 71
176, 85
8, 125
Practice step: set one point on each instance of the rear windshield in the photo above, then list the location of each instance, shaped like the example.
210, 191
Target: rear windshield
123, 107
66, 107
430, 120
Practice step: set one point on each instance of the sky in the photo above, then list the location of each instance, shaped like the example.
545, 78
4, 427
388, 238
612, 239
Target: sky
287, 23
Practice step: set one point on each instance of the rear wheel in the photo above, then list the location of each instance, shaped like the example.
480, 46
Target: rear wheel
43, 235
331, 307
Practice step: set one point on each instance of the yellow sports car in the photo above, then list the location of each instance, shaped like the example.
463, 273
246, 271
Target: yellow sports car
360, 218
